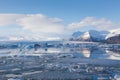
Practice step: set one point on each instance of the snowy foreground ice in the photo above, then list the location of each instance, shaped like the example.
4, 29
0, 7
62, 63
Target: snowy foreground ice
59, 61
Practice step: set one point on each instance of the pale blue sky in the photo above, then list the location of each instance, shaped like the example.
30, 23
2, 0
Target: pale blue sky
69, 11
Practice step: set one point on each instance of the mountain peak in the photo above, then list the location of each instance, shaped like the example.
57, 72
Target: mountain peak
91, 35
112, 36
113, 33
86, 35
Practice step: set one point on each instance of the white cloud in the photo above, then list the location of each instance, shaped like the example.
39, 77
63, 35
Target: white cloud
102, 24
42, 24
39, 26
8, 19
33, 22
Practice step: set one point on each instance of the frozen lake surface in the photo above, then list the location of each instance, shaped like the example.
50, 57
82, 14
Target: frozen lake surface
64, 62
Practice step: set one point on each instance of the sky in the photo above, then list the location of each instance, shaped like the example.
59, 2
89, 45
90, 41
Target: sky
41, 19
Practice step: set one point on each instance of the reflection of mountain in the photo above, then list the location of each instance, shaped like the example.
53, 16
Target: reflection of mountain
113, 52
98, 53
104, 54
86, 52
81, 52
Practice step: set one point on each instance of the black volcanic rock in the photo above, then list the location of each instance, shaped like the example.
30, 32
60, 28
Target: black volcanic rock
114, 39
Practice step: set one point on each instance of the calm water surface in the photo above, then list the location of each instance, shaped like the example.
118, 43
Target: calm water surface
60, 64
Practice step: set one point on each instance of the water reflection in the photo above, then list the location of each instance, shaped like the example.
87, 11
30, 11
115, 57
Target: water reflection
98, 53
60, 63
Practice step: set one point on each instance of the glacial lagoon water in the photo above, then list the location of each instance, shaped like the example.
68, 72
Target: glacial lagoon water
60, 63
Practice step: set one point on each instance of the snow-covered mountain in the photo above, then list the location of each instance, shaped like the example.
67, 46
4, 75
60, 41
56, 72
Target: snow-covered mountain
113, 33
77, 34
86, 36
113, 36
91, 35
81, 36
